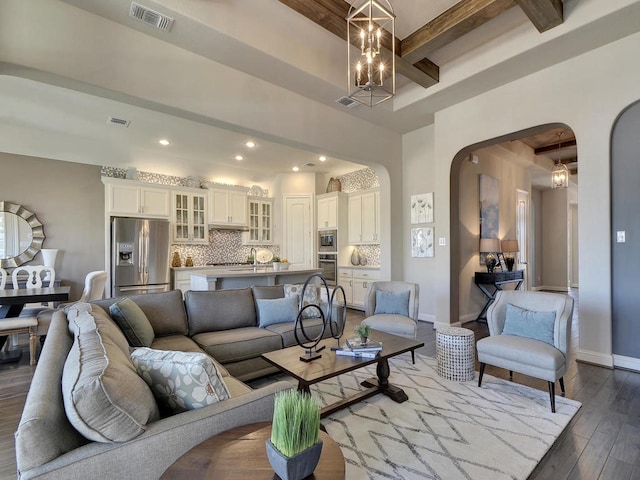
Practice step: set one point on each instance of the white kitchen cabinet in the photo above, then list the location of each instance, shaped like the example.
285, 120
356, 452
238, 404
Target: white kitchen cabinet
228, 206
128, 197
356, 283
364, 223
260, 222
189, 217
327, 211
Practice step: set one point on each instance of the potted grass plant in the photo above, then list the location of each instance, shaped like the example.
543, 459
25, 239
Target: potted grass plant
295, 446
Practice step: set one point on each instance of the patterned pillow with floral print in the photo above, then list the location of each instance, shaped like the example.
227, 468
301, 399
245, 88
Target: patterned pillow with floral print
180, 381
311, 297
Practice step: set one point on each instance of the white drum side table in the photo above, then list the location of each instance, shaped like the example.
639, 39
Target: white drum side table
456, 353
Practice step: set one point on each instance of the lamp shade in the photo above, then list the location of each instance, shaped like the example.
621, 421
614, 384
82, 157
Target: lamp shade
510, 246
489, 245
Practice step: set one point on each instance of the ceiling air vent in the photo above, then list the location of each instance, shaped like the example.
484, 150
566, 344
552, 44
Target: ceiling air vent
118, 121
347, 102
151, 17
309, 164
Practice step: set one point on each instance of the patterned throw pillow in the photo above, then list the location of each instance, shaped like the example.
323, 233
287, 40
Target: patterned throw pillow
311, 297
180, 381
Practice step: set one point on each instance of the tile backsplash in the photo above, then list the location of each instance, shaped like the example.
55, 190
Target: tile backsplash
225, 246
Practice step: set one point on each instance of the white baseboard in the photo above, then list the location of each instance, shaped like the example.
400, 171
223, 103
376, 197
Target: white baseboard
438, 325
628, 363
469, 317
554, 288
596, 358
426, 317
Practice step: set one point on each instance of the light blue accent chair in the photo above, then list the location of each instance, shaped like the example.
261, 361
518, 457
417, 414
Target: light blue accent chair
526, 355
403, 324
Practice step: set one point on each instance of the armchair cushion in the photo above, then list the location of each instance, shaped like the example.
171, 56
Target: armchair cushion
530, 324
392, 303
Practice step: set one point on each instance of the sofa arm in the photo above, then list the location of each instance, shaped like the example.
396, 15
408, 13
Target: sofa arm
150, 454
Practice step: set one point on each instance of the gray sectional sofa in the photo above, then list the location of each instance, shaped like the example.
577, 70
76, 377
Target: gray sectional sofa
224, 324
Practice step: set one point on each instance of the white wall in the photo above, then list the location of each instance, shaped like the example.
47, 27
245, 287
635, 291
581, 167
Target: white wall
418, 177
586, 93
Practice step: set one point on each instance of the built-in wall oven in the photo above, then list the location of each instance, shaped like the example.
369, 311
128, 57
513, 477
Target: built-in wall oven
328, 262
328, 241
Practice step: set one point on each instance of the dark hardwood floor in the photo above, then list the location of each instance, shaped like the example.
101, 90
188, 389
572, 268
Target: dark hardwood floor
602, 442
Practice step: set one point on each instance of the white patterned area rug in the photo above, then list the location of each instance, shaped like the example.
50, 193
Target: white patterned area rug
446, 430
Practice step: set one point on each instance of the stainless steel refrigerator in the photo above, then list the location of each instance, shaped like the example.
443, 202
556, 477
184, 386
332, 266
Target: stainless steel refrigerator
139, 256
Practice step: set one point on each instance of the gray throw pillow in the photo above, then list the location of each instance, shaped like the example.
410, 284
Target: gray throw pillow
530, 324
392, 303
133, 322
180, 381
277, 310
104, 397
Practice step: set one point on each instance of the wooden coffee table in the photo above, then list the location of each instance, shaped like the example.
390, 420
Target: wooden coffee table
331, 365
240, 454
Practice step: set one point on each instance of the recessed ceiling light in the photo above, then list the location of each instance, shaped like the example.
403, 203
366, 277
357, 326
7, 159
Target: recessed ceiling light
295, 169
250, 144
164, 142
239, 157
322, 158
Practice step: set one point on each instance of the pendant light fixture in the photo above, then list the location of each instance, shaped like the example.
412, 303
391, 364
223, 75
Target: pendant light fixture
371, 73
560, 172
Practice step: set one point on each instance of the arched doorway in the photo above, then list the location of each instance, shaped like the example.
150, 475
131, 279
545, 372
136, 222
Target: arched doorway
519, 165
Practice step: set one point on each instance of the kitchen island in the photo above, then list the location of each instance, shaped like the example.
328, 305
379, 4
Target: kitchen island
222, 278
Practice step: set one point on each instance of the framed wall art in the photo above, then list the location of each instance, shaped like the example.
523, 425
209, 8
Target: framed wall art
422, 208
422, 242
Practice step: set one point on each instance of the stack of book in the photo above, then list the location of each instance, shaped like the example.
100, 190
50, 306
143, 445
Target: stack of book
355, 348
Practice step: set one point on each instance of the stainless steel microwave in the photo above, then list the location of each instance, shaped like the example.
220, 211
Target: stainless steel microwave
328, 241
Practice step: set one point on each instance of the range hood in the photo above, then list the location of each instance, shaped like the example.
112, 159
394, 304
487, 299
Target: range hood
226, 226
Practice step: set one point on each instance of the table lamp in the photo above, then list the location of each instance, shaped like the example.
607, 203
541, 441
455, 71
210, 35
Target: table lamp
509, 247
490, 246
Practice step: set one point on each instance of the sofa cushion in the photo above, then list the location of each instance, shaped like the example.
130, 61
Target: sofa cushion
267, 291
238, 344
165, 311
180, 381
276, 310
133, 322
312, 327
393, 303
311, 297
529, 324
104, 397
213, 311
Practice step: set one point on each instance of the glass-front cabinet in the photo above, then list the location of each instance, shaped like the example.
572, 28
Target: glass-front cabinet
190, 217
260, 222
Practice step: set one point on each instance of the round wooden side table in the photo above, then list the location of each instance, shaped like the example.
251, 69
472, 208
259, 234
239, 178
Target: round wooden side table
240, 454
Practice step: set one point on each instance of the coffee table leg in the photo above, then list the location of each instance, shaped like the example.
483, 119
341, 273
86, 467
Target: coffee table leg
303, 387
382, 383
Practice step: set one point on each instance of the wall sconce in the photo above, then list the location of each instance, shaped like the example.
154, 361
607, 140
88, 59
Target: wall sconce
490, 247
509, 247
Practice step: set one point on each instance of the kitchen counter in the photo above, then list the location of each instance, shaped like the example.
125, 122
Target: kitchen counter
220, 278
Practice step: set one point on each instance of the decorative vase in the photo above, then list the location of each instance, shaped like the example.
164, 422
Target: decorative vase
176, 262
363, 340
297, 467
355, 256
49, 259
276, 266
188, 262
334, 185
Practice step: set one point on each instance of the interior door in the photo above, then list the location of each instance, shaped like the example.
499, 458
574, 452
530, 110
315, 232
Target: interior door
298, 244
522, 235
